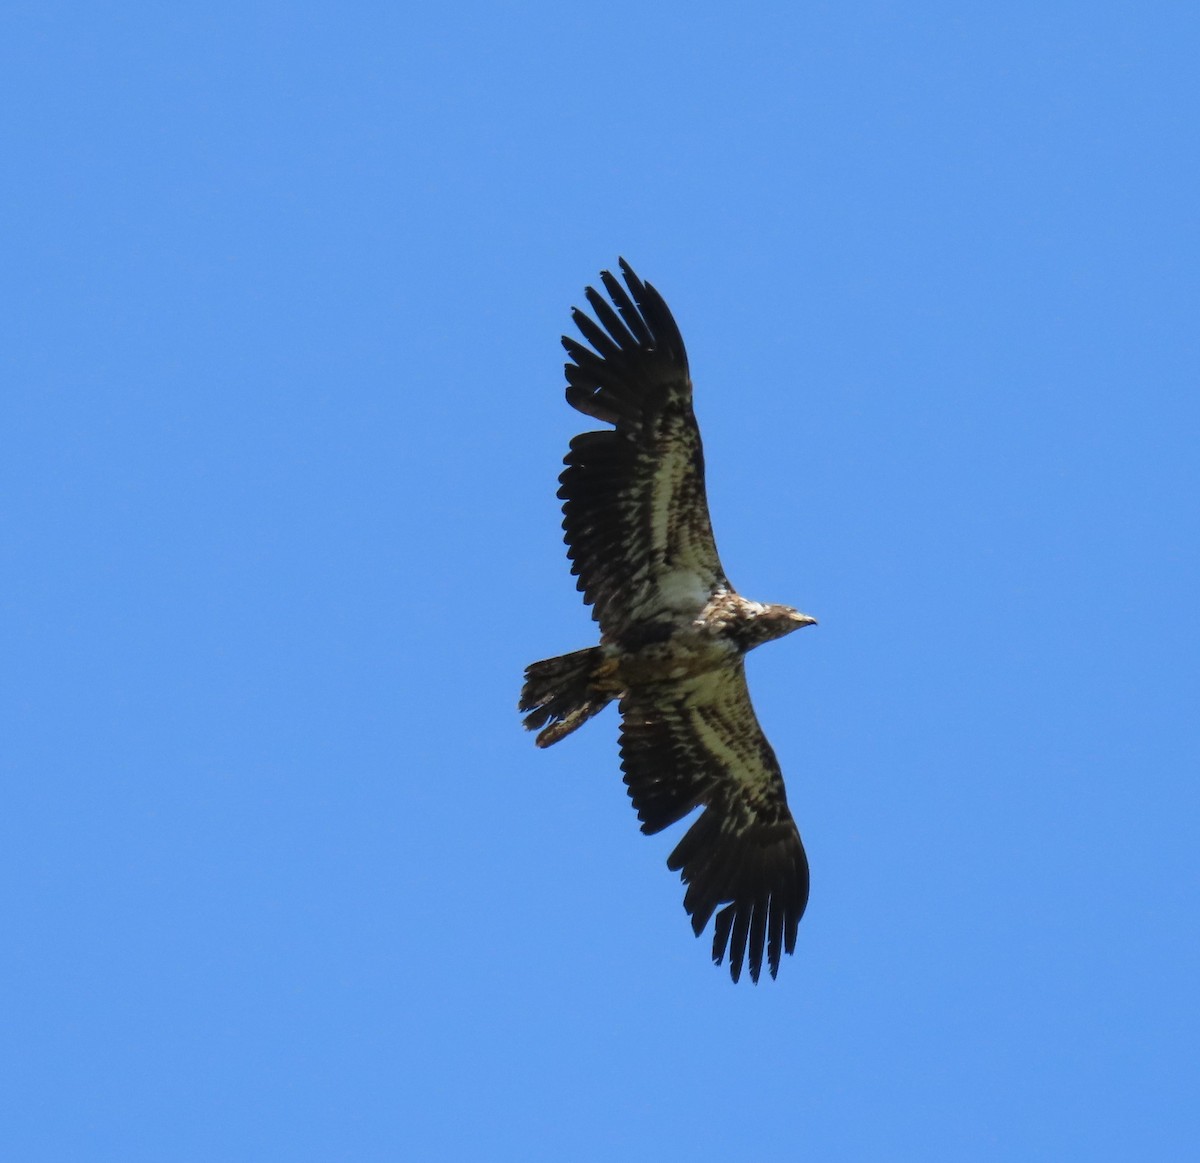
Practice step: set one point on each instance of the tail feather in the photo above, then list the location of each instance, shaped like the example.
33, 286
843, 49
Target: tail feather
565, 692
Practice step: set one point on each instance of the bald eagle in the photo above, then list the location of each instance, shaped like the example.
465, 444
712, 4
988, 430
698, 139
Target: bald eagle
673, 632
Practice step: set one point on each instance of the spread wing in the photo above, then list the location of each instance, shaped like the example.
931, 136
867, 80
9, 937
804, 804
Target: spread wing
635, 512
698, 743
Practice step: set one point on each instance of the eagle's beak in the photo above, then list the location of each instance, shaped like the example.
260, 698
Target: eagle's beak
805, 620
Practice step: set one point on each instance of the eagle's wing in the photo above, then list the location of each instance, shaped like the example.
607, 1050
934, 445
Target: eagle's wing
635, 511
697, 742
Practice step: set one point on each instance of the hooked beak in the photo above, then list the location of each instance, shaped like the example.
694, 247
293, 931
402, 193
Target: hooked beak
804, 620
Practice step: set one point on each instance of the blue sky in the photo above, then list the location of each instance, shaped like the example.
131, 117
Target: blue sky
282, 877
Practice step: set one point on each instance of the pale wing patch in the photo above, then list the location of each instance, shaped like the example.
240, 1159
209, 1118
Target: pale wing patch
683, 569
719, 713
682, 591
669, 478
725, 741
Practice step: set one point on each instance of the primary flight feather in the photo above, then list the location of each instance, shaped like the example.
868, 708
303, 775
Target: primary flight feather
673, 632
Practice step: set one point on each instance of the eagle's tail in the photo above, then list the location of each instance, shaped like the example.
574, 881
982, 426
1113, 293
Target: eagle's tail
565, 692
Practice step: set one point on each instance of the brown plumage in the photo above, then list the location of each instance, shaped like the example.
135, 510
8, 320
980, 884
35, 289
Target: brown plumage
673, 633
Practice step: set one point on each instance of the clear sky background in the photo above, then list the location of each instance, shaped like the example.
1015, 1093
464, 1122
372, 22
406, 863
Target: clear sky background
281, 875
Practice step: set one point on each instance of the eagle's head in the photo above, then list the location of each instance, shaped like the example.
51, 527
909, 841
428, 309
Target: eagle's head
764, 623
787, 619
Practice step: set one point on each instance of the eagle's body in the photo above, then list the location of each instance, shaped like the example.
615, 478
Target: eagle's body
673, 633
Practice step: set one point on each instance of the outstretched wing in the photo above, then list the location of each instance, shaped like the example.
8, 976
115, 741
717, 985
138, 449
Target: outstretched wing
635, 512
698, 743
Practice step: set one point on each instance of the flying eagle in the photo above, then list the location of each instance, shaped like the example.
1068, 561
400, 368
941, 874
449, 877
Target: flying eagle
673, 632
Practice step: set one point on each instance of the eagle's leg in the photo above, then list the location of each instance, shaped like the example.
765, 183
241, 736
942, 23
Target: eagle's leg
567, 691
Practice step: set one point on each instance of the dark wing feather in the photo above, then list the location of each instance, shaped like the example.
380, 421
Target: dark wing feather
698, 743
635, 512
